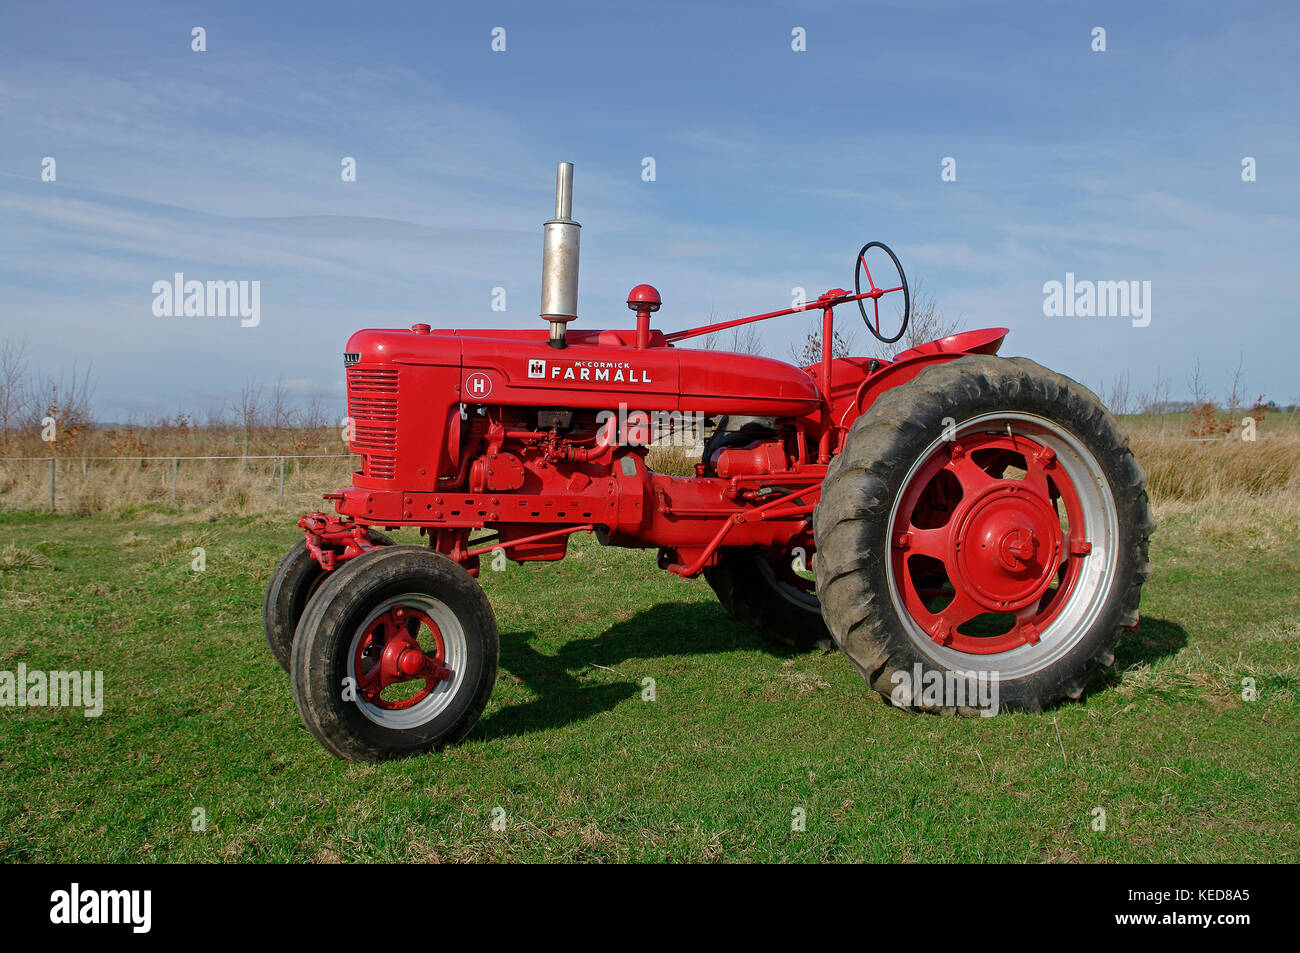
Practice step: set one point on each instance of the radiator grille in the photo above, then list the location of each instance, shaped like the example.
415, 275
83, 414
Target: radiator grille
372, 405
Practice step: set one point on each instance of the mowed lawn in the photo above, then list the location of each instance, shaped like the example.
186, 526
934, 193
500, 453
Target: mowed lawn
573, 764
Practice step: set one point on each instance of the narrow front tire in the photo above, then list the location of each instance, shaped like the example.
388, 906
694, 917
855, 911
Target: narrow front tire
294, 581
395, 655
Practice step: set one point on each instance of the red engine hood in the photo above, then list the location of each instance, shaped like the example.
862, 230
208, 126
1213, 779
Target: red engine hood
598, 370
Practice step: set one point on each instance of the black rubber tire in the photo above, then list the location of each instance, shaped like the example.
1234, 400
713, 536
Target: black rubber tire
330, 623
850, 523
750, 592
296, 578
745, 587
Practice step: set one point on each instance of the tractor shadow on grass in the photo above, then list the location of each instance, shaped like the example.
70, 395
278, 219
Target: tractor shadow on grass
667, 629
692, 628
1155, 639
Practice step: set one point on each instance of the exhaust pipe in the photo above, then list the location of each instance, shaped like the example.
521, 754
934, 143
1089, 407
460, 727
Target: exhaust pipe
560, 259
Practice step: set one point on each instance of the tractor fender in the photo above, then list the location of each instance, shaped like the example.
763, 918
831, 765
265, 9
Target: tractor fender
909, 363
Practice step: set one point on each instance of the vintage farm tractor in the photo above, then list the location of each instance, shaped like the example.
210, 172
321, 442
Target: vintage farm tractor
945, 511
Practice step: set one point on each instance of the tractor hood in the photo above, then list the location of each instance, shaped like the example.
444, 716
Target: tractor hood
597, 370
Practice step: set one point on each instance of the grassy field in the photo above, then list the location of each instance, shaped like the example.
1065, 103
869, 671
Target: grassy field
739, 737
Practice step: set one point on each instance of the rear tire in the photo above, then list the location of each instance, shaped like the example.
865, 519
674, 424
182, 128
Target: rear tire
926, 490
395, 655
763, 592
295, 580
750, 586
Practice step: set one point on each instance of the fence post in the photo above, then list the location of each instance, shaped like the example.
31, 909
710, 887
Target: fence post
282, 479
176, 465
53, 468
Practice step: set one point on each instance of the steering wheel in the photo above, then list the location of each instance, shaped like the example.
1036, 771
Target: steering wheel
875, 294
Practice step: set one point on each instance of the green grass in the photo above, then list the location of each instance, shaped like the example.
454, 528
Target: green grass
197, 715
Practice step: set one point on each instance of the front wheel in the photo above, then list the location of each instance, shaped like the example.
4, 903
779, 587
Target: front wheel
984, 530
396, 654
294, 582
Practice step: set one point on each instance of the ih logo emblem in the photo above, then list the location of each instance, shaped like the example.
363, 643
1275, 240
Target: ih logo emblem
478, 385
536, 369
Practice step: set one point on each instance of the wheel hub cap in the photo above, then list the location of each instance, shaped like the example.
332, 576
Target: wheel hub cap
393, 651
1005, 546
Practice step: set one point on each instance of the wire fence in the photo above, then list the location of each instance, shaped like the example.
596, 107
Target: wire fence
59, 471
90, 483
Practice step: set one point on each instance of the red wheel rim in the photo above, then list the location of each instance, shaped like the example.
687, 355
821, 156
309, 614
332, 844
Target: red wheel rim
401, 646
997, 541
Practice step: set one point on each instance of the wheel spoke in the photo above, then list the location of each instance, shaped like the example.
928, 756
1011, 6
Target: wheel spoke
969, 474
927, 542
371, 681
867, 269
1027, 626
943, 624
1036, 477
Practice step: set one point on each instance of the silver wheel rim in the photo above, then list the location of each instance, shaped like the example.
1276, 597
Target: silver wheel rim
1096, 579
807, 601
456, 651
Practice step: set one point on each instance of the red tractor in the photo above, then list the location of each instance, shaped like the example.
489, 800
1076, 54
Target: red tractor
946, 513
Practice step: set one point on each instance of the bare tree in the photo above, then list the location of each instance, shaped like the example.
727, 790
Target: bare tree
249, 410
1196, 384
746, 339
216, 417
809, 351
710, 342
1156, 401
15, 389
1117, 398
64, 402
314, 416
1235, 396
280, 411
742, 339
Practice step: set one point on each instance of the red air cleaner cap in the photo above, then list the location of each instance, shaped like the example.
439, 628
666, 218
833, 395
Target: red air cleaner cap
643, 296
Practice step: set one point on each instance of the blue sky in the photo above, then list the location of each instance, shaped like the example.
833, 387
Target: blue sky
772, 166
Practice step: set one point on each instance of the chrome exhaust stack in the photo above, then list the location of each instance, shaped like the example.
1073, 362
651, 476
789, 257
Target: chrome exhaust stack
560, 259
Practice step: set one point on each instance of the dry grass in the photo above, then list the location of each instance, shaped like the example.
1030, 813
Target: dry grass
1178, 468
1237, 516
14, 557
1181, 469
675, 461
85, 485
117, 488
181, 440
